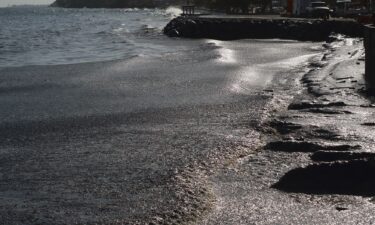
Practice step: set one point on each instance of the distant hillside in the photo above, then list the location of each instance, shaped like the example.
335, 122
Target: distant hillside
115, 3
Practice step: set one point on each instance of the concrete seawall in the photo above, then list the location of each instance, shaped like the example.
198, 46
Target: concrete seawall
227, 28
369, 42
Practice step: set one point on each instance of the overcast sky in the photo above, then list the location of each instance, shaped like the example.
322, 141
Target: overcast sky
4, 3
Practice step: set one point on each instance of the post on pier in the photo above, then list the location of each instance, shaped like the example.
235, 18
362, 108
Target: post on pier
188, 9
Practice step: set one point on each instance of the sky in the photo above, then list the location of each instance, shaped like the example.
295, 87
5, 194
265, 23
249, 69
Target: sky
4, 3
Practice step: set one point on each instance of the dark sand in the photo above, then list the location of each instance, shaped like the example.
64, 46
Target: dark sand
137, 140
321, 170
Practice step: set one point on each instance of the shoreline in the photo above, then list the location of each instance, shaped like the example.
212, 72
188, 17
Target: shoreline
207, 111
313, 167
96, 163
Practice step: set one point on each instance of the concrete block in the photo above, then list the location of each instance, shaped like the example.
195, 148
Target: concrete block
369, 42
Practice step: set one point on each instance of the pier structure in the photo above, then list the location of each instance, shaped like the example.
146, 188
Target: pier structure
369, 42
188, 9
223, 27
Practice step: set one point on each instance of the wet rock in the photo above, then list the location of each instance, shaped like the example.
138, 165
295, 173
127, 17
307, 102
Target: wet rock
308, 105
292, 146
325, 134
367, 105
310, 81
317, 64
328, 111
174, 33
340, 208
304, 146
368, 124
348, 178
329, 156
338, 88
284, 127
344, 78
240, 28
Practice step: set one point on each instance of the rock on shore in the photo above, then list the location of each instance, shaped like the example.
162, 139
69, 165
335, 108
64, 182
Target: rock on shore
239, 28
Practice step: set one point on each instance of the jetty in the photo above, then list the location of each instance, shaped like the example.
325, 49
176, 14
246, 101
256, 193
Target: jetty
228, 27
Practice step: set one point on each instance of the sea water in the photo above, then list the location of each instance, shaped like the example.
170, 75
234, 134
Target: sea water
37, 35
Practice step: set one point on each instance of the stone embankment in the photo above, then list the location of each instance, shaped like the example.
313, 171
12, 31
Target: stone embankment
259, 28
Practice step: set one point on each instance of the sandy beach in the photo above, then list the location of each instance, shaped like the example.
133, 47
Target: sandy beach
315, 165
136, 140
111, 122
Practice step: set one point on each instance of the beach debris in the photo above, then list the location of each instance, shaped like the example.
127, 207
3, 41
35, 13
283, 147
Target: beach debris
328, 111
308, 104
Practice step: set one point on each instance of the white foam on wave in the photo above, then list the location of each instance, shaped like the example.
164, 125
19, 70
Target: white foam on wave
290, 62
131, 9
173, 11
227, 55
247, 77
259, 75
120, 30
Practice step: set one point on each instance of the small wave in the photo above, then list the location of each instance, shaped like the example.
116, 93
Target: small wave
317, 48
291, 62
102, 32
131, 10
147, 26
117, 30
147, 29
77, 35
120, 30
173, 11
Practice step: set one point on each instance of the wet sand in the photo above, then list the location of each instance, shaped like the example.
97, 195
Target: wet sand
315, 167
134, 141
